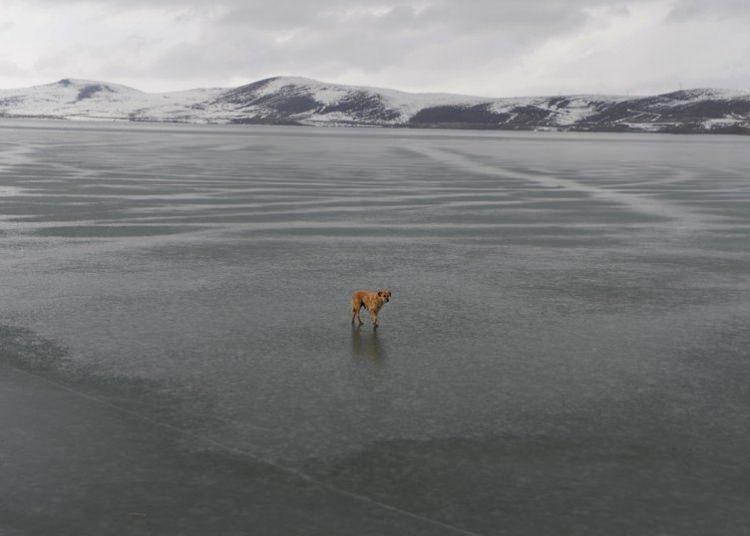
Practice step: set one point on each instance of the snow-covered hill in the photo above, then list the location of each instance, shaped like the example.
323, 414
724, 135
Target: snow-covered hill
294, 100
89, 99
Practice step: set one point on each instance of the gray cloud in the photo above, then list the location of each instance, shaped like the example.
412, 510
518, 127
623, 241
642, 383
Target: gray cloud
494, 47
369, 37
690, 10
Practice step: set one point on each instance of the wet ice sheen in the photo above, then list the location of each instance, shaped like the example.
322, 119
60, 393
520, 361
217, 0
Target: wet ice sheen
565, 350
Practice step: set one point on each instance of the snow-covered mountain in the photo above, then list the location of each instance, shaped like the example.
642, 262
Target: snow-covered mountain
293, 100
89, 99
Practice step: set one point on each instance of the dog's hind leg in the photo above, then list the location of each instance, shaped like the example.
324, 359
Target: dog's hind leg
356, 306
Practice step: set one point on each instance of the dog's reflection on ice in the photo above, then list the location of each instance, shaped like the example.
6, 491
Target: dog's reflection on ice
367, 344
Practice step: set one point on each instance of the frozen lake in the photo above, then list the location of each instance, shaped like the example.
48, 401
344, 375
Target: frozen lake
565, 352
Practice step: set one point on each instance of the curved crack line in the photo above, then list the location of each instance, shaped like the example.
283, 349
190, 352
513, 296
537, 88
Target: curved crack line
682, 219
259, 459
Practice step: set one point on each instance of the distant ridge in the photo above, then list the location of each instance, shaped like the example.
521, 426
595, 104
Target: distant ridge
302, 101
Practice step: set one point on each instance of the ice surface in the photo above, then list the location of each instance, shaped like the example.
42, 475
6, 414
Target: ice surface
565, 351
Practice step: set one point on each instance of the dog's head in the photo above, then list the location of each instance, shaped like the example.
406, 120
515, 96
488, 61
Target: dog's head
385, 294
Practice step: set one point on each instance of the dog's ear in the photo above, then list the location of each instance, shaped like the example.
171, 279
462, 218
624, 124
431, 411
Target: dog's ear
380, 292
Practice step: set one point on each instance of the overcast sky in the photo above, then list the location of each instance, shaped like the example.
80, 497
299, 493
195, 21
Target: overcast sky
482, 47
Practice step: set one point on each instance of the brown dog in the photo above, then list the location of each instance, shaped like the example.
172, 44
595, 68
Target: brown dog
372, 301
